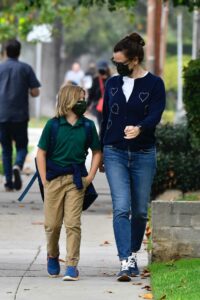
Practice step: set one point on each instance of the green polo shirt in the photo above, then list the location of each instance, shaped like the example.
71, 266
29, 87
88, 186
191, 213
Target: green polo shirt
70, 141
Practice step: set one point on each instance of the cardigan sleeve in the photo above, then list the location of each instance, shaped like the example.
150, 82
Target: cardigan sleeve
156, 106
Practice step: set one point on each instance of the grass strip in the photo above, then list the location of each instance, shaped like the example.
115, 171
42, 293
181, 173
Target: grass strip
176, 280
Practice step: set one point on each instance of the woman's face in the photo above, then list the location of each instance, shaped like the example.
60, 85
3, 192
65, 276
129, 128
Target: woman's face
119, 57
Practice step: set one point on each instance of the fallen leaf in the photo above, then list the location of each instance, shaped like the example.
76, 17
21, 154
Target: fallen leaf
21, 205
145, 274
147, 287
37, 223
35, 208
137, 283
110, 292
148, 296
148, 231
163, 297
105, 243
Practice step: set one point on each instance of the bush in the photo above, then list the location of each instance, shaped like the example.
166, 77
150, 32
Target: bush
178, 164
192, 100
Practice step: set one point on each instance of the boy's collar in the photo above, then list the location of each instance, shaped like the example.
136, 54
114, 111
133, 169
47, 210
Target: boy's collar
64, 121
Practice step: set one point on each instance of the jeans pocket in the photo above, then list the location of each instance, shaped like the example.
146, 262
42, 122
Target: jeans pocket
148, 150
109, 146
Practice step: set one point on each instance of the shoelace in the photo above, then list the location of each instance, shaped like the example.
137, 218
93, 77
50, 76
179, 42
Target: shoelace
124, 266
132, 262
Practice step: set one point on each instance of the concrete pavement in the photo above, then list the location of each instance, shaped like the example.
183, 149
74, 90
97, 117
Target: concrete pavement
23, 273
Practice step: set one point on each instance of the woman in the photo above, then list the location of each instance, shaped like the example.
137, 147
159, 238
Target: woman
133, 105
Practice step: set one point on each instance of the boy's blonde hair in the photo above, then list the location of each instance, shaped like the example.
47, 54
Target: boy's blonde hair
68, 96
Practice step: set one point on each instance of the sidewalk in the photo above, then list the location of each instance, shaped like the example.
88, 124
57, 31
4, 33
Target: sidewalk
23, 273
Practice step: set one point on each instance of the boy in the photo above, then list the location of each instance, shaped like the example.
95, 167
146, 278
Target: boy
64, 193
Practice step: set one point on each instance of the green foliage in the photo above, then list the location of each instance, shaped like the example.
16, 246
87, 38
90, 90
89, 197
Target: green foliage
168, 116
191, 4
95, 31
171, 78
192, 100
171, 71
176, 280
111, 4
178, 164
18, 17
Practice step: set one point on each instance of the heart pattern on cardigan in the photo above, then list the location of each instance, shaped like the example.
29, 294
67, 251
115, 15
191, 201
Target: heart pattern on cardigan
114, 91
143, 96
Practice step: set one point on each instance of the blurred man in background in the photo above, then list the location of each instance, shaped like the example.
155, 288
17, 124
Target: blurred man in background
17, 82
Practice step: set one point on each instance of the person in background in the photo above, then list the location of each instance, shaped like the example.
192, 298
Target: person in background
133, 105
96, 93
75, 75
89, 75
17, 82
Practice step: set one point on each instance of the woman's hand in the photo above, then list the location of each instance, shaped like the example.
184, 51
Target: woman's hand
131, 132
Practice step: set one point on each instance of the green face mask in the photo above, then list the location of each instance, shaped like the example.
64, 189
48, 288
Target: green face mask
80, 108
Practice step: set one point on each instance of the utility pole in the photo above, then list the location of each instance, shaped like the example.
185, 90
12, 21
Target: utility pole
164, 25
180, 113
157, 16
196, 34
150, 47
157, 37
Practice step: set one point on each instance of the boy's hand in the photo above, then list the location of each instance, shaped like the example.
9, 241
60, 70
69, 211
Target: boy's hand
89, 178
101, 165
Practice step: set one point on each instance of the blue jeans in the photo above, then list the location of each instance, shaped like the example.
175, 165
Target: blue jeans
130, 176
17, 132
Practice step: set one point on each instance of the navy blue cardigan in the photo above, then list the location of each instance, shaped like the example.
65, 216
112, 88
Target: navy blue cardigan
144, 108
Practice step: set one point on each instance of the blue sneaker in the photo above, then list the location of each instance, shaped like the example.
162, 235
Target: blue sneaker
53, 266
132, 264
124, 274
71, 274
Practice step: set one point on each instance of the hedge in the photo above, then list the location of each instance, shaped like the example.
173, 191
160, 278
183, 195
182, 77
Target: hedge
178, 164
192, 100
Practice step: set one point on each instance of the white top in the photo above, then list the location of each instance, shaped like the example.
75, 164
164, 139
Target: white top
129, 85
77, 77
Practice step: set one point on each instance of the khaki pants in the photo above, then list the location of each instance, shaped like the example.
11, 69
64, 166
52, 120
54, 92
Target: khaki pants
63, 201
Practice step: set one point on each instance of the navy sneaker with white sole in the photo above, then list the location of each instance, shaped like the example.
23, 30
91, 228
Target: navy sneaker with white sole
124, 274
132, 264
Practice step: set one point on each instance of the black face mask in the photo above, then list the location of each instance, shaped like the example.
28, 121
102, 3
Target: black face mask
80, 108
123, 69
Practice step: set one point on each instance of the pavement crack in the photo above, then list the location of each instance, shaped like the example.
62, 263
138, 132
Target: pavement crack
28, 269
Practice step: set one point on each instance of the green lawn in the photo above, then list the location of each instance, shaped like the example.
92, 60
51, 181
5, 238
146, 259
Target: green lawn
179, 280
